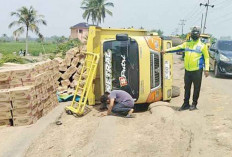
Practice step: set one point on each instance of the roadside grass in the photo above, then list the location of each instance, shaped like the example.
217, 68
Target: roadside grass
12, 58
10, 50
34, 48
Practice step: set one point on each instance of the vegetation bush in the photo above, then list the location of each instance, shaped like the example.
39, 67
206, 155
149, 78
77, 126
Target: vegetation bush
52, 56
11, 58
64, 47
35, 48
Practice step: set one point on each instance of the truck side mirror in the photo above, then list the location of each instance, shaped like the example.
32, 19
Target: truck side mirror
122, 37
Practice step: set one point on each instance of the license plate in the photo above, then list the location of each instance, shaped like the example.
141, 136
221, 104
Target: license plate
167, 70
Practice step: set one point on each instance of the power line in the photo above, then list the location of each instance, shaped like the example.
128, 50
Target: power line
222, 7
217, 13
196, 14
182, 24
213, 1
192, 12
221, 2
196, 19
196, 22
221, 20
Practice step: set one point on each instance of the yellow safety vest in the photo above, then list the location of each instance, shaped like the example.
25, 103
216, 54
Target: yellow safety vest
196, 55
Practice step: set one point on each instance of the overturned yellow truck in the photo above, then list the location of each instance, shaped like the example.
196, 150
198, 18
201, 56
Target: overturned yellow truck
129, 59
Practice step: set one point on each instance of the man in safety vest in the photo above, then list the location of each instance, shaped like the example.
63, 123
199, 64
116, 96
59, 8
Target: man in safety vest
196, 58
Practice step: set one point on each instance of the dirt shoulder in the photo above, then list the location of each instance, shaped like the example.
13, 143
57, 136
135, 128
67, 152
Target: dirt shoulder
166, 132
163, 131
15, 141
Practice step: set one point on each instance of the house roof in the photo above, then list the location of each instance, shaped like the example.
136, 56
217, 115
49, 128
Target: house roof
82, 25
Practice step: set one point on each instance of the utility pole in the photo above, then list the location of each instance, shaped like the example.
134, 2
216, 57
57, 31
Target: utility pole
176, 31
207, 5
182, 24
202, 20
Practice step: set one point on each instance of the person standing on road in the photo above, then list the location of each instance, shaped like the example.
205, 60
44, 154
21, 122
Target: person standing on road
196, 58
24, 53
120, 102
20, 52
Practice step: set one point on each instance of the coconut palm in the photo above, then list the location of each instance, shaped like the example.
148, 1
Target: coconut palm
28, 20
4, 37
88, 6
96, 10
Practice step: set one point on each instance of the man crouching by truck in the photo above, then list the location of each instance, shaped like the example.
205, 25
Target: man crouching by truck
120, 102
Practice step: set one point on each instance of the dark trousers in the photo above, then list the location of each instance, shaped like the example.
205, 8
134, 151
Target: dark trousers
194, 77
121, 108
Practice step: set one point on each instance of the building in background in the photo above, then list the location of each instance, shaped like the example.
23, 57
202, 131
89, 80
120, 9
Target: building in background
79, 31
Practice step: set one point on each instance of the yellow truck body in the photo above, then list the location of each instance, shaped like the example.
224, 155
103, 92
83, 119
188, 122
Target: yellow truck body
131, 60
205, 38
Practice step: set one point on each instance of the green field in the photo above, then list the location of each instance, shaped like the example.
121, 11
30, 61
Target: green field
34, 48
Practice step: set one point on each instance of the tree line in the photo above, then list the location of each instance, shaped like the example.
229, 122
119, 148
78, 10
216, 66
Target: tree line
28, 19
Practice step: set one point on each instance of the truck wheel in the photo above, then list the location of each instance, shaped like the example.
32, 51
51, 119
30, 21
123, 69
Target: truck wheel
216, 71
175, 91
69, 112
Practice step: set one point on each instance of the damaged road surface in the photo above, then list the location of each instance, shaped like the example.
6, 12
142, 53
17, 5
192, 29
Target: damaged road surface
162, 131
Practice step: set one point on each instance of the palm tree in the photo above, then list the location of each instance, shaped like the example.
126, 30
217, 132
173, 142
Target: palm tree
96, 10
28, 20
88, 6
4, 37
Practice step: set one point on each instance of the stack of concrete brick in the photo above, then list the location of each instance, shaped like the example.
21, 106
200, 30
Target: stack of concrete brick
70, 69
28, 92
5, 107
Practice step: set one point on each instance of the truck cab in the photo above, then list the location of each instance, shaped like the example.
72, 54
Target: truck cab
205, 38
130, 60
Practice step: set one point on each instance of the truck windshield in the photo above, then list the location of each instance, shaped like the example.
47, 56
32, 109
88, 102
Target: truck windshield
225, 45
121, 66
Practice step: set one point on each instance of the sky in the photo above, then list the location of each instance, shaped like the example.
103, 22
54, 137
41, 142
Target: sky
149, 14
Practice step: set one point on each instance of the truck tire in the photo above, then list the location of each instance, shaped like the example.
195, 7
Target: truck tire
175, 91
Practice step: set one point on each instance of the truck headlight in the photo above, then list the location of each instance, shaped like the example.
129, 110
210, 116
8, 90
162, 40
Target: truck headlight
224, 58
